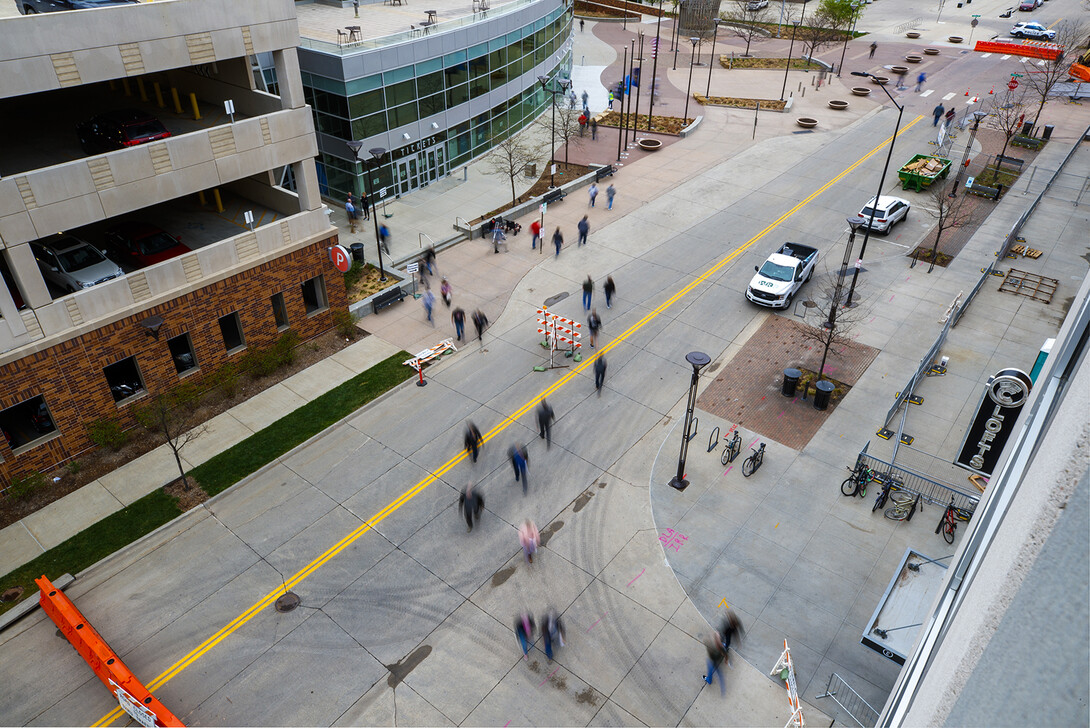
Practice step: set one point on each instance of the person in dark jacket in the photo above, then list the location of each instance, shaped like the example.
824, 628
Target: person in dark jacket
471, 504
473, 440
545, 417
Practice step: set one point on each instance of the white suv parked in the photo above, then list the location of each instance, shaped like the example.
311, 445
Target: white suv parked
1033, 30
888, 212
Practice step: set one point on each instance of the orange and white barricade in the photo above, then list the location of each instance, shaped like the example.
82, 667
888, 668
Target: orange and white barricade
560, 334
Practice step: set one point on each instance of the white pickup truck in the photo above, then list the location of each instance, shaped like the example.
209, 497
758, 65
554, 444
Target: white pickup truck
782, 275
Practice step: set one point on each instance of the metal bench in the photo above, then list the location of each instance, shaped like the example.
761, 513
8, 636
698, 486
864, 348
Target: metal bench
992, 193
603, 172
554, 195
387, 298
1012, 161
1026, 142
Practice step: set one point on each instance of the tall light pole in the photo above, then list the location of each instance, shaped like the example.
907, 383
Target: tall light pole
620, 114
544, 81
790, 49
376, 155
881, 184
849, 34
698, 360
978, 116
711, 61
853, 225
689, 88
654, 67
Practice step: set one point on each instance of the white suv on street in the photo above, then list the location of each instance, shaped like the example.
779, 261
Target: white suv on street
888, 212
1033, 30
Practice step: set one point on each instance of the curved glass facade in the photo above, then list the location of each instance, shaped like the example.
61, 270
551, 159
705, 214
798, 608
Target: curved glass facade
426, 95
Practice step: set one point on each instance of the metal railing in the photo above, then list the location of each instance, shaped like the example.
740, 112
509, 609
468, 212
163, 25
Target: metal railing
984, 276
921, 370
930, 491
851, 702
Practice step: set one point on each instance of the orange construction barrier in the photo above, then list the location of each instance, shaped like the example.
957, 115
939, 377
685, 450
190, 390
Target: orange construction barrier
1028, 48
131, 694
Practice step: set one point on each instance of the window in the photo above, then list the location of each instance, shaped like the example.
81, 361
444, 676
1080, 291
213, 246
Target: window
26, 422
231, 329
181, 351
123, 378
402, 115
280, 311
314, 295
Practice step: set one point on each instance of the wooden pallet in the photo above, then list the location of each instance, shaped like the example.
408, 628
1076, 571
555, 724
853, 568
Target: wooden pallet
1031, 285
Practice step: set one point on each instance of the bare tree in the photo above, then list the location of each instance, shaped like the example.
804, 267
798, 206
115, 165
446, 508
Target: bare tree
1042, 77
1006, 113
511, 156
837, 321
568, 129
821, 29
744, 18
167, 415
949, 212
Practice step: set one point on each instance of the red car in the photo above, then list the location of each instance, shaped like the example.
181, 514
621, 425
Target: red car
139, 244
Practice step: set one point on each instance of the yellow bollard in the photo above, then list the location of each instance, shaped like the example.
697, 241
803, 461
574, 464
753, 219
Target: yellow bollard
177, 101
158, 94
125, 85
200, 196
143, 91
196, 109
219, 202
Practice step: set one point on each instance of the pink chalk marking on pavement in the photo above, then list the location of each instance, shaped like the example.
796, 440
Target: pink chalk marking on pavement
780, 415
637, 576
796, 399
548, 676
728, 469
596, 623
506, 724
891, 297
754, 442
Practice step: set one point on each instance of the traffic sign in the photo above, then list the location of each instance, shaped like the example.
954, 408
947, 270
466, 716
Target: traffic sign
974, 22
1012, 84
342, 259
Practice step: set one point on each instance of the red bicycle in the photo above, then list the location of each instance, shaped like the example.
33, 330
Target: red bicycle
948, 524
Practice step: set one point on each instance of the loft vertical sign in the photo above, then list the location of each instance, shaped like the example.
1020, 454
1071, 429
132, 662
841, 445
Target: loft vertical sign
1004, 396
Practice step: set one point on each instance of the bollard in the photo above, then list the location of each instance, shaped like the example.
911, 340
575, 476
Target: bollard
158, 94
143, 91
177, 101
196, 109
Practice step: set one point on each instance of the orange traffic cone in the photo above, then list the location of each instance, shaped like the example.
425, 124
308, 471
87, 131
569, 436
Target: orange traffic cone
966, 92
992, 90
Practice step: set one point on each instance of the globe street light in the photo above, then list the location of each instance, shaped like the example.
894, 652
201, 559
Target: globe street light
711, 61
698, 360
689, 88
881, 183
544, 80
376, 154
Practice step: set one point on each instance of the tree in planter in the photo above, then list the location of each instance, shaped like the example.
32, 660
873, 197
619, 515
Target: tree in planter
164, 415
567, 125
1006, 113
844, 320
1040, 79
950, 213
824, 27
512, 155
745, 20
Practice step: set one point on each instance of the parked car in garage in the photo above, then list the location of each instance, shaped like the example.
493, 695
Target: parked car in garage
140, 244
119, 129
31, 7
888, 212
72, 264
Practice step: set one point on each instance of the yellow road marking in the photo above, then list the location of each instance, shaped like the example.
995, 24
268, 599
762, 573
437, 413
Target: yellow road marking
370, 523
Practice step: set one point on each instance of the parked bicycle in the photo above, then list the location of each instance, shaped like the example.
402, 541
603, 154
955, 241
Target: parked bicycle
889, 485
856, 483
904, 505
753, 462
731, 448
948, 524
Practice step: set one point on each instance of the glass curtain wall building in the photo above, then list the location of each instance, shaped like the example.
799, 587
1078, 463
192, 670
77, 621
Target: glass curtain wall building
469, 85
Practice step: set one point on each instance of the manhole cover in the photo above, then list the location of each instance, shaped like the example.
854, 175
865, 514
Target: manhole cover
555, 299
11, 594
287, 602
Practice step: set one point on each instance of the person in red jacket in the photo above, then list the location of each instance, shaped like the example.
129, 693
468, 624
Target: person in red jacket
535, 231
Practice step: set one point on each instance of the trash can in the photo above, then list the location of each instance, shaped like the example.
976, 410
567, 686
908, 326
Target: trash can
357, 252
824, 392
1047, 133
1027, 127
790, 381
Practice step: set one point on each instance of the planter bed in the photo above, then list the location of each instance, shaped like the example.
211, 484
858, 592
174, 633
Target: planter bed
740, 103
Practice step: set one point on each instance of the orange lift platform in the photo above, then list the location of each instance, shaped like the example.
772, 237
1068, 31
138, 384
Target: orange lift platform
131, 694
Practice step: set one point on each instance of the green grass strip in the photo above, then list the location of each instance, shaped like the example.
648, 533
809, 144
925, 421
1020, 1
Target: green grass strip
232, 465
94, 543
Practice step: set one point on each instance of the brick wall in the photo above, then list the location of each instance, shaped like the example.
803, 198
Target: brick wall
69, 375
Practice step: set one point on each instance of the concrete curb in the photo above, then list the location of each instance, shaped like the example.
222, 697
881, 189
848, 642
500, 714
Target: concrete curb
28, 605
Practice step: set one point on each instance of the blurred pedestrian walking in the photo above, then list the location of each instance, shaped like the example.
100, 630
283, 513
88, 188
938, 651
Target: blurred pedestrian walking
471, 503
588, 292
950, 116
584, 229
873, 48
459, 319
384, 238
535, 232
609, 288
480, 322
473, 440
729, 629
558, 240
552, 631
429, 259
429, 304
920, 81
529, 539
350, 210
545, 417
937, 113
593, 192
524, 631
716, 654
593, 128
594, 324
599, 373
498, 236
361, 206
446, 292
519, 460
611, 191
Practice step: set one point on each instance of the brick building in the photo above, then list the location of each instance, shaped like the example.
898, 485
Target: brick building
232, 188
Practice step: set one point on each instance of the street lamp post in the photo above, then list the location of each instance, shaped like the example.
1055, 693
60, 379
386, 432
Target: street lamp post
850, 34
698, 360
853, 224
376, 154
978, 116
711, 61
689, 88
654, 68
790, 49
881, 184
544, 81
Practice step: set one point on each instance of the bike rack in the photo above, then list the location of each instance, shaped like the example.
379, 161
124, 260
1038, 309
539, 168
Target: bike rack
713, 439
695, 426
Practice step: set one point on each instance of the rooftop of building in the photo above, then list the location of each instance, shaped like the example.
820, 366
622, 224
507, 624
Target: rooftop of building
330, 29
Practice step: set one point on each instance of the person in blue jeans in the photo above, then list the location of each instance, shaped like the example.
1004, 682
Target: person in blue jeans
716, 655
459, 319
558, 240
588, 291
524, 630
519, 460
610, 192
593, 193
584, 229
